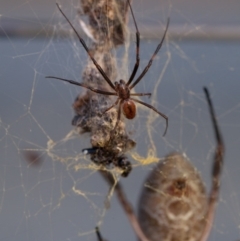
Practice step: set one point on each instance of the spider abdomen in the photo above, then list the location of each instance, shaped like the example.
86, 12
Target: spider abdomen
173, 203
129, 109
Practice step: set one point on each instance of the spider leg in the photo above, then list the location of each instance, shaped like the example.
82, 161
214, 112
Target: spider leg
216, 170
154, 109
110, 107
87, 50
141, 94
99, 236
152, 58
83, 85
137, 48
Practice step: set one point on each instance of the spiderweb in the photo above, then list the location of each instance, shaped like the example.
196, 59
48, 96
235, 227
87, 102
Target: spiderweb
49, 190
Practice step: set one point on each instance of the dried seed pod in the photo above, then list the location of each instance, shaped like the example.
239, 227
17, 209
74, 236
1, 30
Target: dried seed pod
173, 203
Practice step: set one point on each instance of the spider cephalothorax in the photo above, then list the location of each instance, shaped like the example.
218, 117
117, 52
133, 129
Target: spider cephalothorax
122, 89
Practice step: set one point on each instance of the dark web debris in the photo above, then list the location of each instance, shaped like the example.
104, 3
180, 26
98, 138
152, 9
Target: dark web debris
107, 23
105, 158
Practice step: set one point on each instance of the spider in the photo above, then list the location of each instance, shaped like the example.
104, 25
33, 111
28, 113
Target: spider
121, 89
173, 204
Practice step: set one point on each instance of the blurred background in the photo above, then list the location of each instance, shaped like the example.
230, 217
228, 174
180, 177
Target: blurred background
61, 196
